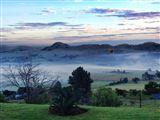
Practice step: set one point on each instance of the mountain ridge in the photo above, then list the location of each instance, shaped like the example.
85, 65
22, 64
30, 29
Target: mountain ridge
147, 46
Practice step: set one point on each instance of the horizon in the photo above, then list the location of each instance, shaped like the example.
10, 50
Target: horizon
39, 23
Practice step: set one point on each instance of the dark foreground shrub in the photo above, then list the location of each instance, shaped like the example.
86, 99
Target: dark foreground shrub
152, 87
64, 101
2, 98
105, 97
38, 95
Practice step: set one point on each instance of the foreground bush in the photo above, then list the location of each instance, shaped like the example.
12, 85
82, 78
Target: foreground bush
106, 97
38, 95
152, 87
2, 98
64, 101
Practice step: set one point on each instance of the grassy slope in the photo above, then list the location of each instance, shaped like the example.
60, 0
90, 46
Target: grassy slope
39, 112
139, 86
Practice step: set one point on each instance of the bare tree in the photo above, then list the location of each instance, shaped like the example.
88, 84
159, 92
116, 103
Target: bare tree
28, 75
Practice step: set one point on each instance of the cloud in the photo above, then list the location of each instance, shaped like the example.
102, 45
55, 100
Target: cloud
138, 15
129, 14
47, 11
157, 3
100, 36
106, 11
144, 28
42, 25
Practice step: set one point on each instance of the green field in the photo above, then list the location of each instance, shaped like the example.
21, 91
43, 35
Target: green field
40, 112
130, 85
107, 76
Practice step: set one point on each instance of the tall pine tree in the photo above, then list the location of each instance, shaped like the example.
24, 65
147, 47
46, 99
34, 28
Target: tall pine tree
81, 81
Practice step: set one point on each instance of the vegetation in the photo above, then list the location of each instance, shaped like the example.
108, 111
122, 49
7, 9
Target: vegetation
152, 87
2, 98
147, 76
105, 97
64, 100
29, 76
135, 80
81, 82
40, 112
124, 80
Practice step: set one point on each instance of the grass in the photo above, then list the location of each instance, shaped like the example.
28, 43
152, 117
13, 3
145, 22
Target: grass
40, 112
107, 76
127, 86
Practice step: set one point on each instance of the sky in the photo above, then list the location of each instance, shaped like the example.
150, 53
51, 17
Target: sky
43, 22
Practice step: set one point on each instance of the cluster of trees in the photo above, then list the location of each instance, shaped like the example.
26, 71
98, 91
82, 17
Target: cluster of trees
32, 83
106, 97
2, 97
122, 80
64, 99
135, 80
124, 93
152, 88
148, 77
37, 87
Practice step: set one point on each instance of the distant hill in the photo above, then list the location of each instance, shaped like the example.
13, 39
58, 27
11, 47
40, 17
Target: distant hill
148, 46
57, 45
98, 48
6, 48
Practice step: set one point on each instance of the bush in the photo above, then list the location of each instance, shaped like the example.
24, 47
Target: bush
135, 80
121, 92
152, 87
134, 92
64, 100
105, 97
38, 95
2, 98
121, 81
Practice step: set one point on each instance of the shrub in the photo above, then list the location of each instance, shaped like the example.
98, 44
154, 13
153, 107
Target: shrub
152, 87
121, 81
64, 99
135, 80
121, 92
134, 92
106, 97
2, 98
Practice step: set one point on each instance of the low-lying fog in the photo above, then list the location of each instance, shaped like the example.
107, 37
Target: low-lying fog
63, 64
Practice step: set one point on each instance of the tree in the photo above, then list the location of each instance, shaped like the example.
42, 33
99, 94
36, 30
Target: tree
147, 76
152, 87
135, 80
125, 80
81, 81
63, 99
2, 98
158, 74
106, 97
27, 75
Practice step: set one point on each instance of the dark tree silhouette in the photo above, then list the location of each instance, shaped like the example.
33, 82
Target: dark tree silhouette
81, 81
152, 87
135, 80
29, 76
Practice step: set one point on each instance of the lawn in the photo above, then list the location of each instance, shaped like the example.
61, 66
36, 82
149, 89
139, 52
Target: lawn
40, 112
130, 85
